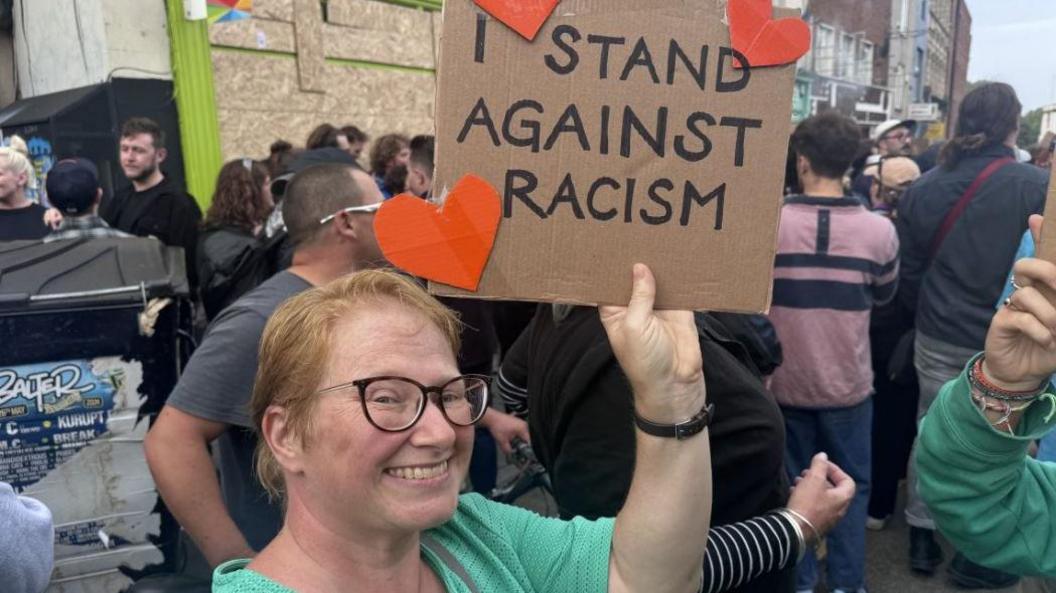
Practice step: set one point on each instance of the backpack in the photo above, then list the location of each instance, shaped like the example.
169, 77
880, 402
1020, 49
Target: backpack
232, 262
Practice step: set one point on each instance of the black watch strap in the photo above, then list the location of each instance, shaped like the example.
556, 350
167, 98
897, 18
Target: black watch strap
680, 431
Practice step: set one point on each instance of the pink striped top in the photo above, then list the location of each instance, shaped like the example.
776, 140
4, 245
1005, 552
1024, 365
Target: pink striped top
835, 261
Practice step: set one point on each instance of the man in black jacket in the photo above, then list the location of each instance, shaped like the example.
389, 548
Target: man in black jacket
153, 206
952, 274
580, 416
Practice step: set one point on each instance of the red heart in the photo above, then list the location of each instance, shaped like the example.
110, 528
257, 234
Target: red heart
449, 243
764, 41
524, 16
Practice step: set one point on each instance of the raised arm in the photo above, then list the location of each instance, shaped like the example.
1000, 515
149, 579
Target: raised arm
662, 530
986, 495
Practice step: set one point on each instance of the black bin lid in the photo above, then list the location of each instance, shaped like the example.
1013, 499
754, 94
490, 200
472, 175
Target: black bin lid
88, 272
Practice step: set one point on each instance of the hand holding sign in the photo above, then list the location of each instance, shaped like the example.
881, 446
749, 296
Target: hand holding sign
659, 351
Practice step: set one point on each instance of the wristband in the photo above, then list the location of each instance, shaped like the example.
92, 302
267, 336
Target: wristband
982, 385
680, 431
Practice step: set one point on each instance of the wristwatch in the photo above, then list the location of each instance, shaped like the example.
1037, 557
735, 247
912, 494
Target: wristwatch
680, 431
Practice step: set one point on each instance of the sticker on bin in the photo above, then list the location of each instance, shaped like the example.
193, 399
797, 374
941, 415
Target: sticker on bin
50, 411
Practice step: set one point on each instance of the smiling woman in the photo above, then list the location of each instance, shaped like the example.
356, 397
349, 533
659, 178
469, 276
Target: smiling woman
367, 430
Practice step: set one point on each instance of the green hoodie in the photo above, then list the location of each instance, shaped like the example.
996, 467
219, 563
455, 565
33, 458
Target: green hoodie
993, 502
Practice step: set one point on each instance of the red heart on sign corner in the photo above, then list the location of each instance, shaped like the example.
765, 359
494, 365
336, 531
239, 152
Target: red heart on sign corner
763, 40
449, 243
525, 17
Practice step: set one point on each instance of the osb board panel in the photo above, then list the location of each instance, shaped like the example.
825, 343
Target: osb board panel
378, 16
259, 101
258, 81
254, 34
338, 42
380, 46
308, 30
278, 10
438, 22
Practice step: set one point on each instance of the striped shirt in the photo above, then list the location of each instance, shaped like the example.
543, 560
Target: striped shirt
835, 261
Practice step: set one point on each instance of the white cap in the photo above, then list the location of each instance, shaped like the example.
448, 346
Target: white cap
891, 124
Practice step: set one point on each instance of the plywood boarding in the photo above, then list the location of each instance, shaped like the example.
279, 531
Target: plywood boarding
308, 30
255, 34
438, 21
380, 47
278, 10
260, 101
339, 42
378, 16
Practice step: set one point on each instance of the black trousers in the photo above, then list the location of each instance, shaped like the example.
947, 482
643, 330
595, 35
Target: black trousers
894, 422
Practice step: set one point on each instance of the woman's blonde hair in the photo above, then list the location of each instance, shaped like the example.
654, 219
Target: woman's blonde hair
15, 159
295, 349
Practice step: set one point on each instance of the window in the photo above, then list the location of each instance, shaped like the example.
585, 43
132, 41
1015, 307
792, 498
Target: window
864, 65
923, 10
846, 58
825, 51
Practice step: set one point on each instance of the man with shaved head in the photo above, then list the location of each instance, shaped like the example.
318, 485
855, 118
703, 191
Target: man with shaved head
329, 213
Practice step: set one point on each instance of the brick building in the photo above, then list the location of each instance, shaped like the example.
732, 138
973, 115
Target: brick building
873, 59
847, 67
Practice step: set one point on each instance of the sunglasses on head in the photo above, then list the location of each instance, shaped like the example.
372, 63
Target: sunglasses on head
368, 209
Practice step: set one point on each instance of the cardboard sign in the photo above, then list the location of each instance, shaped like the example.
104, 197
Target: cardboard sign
625, 132
1046, 248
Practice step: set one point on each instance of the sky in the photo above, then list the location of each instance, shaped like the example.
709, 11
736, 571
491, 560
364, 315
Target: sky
1013, 41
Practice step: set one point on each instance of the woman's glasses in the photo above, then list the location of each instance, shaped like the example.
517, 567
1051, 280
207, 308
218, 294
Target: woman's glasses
395, 404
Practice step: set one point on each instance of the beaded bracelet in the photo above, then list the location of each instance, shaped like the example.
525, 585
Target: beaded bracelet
987, 396
979, 382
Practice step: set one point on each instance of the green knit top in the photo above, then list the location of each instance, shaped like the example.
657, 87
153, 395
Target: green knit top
502, 548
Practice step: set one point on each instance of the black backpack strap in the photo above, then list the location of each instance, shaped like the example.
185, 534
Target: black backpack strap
449, 560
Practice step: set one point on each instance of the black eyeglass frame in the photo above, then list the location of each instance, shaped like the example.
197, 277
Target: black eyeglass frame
362, 384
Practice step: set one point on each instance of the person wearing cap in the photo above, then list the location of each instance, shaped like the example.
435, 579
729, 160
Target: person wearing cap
73, 190
894, 137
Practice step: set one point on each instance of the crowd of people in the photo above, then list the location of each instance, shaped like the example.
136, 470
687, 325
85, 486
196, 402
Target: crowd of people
304, 421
